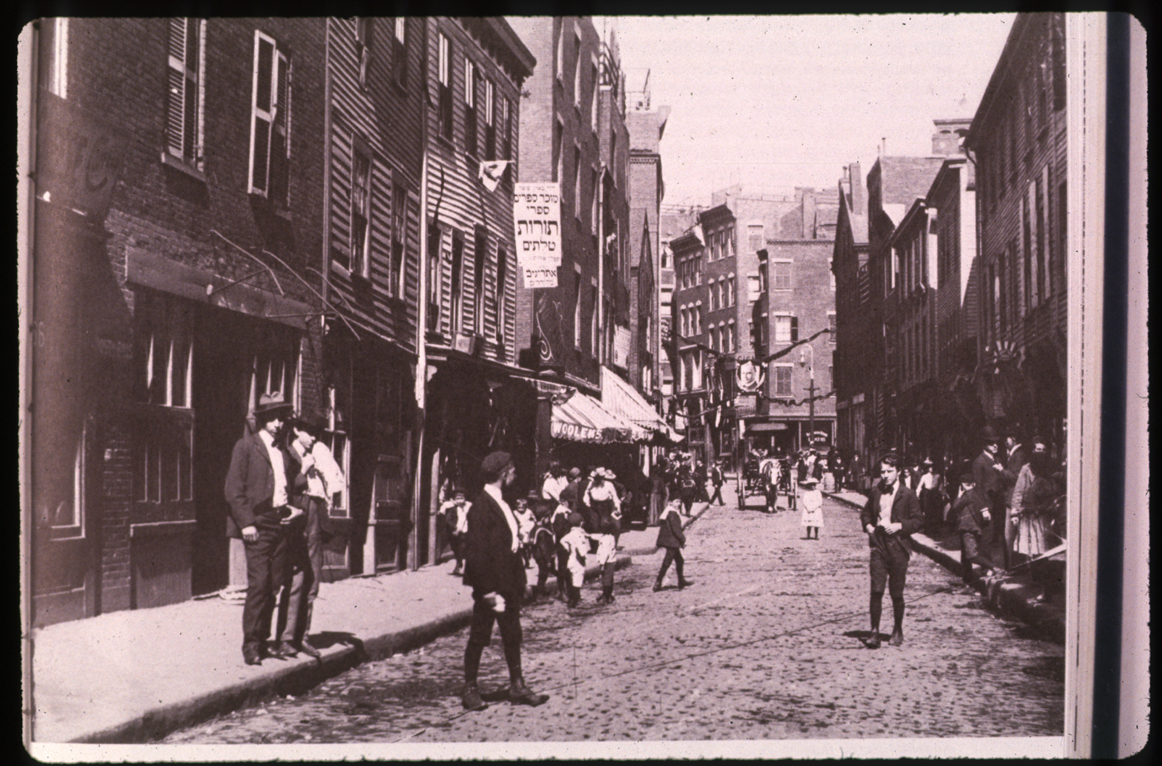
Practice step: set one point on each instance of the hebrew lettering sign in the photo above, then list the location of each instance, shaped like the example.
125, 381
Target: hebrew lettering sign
537, 219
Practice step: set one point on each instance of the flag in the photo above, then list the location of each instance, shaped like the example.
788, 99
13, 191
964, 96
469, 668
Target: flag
491, 171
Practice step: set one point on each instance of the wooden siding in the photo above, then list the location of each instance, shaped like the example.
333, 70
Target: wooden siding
386, 117
459, 202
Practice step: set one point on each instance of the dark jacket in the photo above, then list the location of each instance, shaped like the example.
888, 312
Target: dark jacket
670, 534
490, 566
989, 480
250, 485
967, 511
905, 511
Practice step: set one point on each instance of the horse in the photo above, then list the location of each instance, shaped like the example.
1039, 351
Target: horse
770, 471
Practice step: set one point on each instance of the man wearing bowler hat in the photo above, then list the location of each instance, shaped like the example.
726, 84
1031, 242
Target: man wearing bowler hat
988, 477
313, 461
495, 571
258, 488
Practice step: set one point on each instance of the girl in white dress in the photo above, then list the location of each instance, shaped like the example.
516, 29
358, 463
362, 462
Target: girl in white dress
812, 501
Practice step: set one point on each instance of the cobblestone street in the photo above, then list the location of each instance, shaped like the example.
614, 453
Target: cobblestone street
765, 645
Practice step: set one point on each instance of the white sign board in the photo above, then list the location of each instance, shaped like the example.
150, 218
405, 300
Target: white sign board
536, 209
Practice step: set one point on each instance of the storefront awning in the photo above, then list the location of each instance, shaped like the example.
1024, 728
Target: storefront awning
581, 418
624, 401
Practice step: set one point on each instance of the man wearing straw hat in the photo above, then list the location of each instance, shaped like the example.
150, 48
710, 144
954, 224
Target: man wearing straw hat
258, 489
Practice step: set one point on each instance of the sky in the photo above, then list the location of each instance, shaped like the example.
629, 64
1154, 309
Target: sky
774, 102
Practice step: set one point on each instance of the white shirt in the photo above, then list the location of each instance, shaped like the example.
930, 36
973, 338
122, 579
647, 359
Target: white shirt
551, 489
508, 515
326, 477
603, 491
886, 501
279, 468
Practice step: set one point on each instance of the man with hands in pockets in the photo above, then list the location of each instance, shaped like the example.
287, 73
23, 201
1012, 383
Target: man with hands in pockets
495, 570
891, 515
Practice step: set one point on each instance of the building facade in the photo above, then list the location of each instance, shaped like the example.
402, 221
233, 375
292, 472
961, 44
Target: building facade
173, 283
1018, 141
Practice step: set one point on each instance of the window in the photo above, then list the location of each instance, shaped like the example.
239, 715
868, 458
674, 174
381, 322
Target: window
786, 328
714, 296
594, 185
755, 237
166, 354
54, 59
753, 287
730, 339
731, 295
435, 275
399, 225
501, 288
831, 325
714, 338
364, 31
506, 122
831, 273
399, 57
561, 51
576, 66
479, 263
577, 182
184, 94
456, 310
1043, 244
782, 378
470, 81
577, 306
781, 275
270, 120
730, 242
558, 152
593, 96
593, 316
444, 85
489, 120
360, 209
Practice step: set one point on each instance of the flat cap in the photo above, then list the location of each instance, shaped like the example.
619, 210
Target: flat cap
495, 462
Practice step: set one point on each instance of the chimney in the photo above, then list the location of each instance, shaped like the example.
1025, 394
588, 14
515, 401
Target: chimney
949, 136
858, 201
808, 215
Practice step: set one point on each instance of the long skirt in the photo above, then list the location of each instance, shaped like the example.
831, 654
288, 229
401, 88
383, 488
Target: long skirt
1031, 535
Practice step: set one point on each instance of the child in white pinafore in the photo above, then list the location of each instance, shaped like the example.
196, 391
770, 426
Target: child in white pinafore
812, 501
575, 544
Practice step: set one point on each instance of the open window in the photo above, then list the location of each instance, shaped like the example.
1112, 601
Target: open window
270, 122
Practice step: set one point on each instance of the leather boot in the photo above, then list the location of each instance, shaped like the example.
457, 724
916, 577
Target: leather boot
471, 698
520, 694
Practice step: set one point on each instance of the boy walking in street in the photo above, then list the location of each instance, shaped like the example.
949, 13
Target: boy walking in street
575, 546
673, 539
972, 515
891, 515
716, 480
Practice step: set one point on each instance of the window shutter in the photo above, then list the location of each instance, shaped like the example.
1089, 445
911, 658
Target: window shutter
262, 116
794, 329
176, 92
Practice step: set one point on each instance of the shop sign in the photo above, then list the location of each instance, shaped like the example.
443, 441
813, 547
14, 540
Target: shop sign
78, 157
746, 405
537, 218
621, 345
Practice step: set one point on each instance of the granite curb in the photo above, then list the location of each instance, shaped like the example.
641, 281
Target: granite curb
293, 679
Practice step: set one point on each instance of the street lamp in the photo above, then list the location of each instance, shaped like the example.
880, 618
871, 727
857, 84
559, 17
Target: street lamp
811, 394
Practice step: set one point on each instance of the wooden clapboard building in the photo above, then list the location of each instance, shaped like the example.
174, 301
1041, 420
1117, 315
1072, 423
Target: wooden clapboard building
472, 73
373, 148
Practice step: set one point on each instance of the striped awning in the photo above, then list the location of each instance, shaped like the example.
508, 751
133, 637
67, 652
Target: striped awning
581, 418
623, 400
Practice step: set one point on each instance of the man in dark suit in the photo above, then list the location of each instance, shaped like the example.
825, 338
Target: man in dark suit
891, 515
495, 570
258, 488
986, 474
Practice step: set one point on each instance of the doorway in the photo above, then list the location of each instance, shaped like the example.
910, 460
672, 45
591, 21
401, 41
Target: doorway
221, 394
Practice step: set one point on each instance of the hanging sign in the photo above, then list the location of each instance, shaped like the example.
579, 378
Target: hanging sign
536, 211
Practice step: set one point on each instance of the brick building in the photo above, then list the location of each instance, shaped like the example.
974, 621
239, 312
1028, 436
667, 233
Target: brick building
856, 340
647, 188
1018, 141
171, 285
